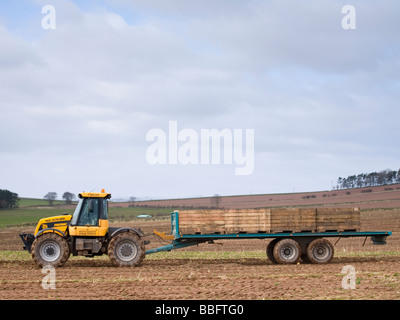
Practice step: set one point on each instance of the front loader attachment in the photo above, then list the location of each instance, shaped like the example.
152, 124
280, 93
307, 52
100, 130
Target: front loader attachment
27, 239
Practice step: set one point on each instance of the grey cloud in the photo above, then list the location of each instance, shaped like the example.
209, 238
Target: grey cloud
83, 96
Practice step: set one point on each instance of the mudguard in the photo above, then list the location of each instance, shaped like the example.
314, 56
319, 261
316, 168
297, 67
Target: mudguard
114, 231
54, 230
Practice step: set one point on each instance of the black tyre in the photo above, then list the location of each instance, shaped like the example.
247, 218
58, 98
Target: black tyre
50, 249
126, 250
287, 251
270, 250
320, 251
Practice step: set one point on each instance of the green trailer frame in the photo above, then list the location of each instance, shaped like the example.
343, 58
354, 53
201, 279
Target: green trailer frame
186, 240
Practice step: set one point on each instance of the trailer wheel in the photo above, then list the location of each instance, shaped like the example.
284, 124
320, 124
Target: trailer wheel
270, 250
50, 249
126, 250
287, 251
320, 251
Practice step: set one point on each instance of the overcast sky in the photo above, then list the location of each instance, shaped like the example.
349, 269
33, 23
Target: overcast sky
77, 101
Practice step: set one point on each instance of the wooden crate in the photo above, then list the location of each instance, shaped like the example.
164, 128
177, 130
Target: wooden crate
201, 221
338, 219
249, 221
224, 221
293, 220
269, 220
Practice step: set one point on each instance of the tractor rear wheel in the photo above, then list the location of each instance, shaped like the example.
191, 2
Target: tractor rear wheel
126, 250
50, 249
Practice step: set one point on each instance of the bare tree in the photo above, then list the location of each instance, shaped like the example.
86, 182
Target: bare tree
51, 196
132, 199
68, 197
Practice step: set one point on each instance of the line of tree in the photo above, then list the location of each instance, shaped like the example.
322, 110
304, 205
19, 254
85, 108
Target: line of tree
380, 178
8, 199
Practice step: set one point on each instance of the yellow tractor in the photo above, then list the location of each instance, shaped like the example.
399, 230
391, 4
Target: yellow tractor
85, 233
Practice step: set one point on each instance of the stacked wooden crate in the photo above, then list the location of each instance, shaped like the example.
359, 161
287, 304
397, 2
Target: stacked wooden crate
249, 221
338, 219
224, 221
293, 220
201, 221
277, 220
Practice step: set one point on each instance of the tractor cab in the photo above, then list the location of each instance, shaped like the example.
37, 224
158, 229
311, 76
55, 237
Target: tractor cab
90, 216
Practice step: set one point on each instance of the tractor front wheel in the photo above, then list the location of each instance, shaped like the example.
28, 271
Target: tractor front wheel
50, 249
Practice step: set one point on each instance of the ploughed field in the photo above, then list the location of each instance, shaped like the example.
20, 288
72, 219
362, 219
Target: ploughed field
229, 269
387, 196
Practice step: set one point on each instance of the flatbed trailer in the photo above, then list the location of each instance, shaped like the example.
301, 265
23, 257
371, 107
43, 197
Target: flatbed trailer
285, 247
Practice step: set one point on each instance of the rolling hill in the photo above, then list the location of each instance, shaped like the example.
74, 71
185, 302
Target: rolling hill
387, 196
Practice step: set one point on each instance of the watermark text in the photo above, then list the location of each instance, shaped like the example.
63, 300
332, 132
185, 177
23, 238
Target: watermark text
49, 280
49, 20
349, 20
208, 146
349, 280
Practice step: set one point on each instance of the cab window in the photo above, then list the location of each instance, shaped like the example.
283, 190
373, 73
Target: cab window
103, 209
89, 215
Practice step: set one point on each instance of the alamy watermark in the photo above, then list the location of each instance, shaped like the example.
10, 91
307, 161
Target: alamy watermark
49, 280
49, 20
206, 146
349, 280
349, 20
